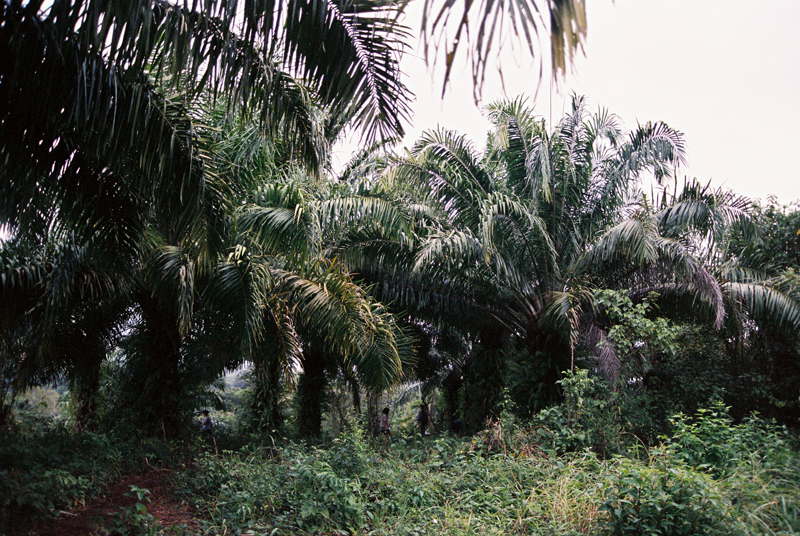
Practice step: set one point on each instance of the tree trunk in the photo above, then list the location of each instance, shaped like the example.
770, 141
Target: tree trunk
311, 393
157, 402
355, 388
266, 398
85, 384
451, 389
484, 377
373, 423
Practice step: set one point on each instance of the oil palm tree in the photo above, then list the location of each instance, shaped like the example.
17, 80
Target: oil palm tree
95, 96
119, 154
512, 243
707, 220
286, 227
525, 234
61, 314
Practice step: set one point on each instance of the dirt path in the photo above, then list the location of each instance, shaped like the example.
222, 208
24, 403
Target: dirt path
90, 519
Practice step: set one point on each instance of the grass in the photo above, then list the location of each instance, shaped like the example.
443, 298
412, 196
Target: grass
454, 487
710, 477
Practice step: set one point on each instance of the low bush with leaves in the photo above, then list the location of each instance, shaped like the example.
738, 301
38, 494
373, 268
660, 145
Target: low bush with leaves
589, 417
500, 482
660, 497
713, 476
134, 520
46, 468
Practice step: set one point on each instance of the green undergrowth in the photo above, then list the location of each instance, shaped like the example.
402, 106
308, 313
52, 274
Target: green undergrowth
711, 476
46, 467
739, 479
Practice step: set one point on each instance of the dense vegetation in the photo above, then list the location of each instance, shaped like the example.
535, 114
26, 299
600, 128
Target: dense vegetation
710, 476
597, 359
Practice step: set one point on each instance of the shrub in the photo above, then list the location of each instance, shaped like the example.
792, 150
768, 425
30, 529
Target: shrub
710, 439
325, 501
348, 454
586, 419
662, 498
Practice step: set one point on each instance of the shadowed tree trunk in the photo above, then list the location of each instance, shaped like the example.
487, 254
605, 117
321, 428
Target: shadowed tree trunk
546, 343
164, 387
355, 389
484, 378
266, 398
311, 393
451, 389
85, 383
372, 413
154, 387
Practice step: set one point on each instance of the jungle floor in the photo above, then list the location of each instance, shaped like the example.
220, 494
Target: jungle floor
97, 517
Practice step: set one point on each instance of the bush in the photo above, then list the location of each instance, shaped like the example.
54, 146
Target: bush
46, 467
347, 455
663, 498
586, 419
325, 501
710, 440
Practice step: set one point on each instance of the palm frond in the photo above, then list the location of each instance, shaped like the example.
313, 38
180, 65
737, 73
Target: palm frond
765, 303
520, 18
653, 146
171, 273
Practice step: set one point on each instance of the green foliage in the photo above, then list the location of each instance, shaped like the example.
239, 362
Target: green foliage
46, 467
497, 483
710, 440
663, 498
777, 247
444, 486
326, 501
637, 338
40, 472
313, 491
134, 520
530, 380
28, 496
633, 323
483, 384
348, 454
589, 417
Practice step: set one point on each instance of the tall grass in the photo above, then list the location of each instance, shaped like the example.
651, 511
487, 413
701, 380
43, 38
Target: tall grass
451, 486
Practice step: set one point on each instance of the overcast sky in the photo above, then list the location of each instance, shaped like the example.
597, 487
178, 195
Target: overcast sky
726, 73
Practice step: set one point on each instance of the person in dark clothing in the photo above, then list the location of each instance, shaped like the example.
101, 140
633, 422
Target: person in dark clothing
208, 430
458, 427
385, 430
422, 418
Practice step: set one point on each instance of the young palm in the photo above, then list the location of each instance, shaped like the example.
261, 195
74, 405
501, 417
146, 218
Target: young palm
706, 220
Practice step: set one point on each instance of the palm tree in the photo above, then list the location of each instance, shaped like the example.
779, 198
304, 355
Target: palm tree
119, 154
761, 298
512, 244
92, 118
61, 313
285, 228
708, 221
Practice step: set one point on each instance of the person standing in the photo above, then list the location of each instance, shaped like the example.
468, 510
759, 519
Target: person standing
208, 429
422, 418
208, 425
385, 430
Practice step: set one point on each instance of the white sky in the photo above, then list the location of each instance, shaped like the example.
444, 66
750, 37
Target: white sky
726, 73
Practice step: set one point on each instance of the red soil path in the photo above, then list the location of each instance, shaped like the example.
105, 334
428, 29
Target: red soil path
90, 519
